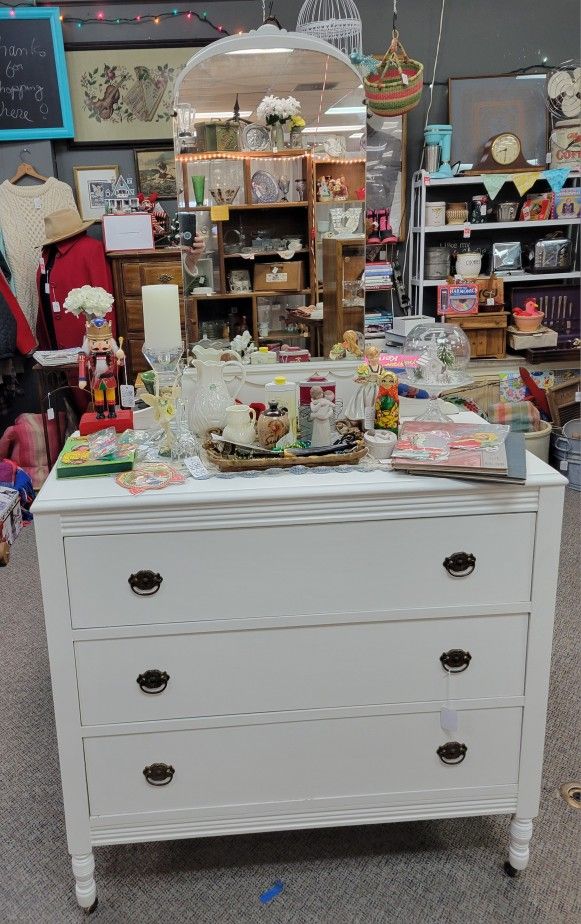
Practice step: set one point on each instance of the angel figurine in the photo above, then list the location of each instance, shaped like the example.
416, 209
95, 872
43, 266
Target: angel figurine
322, 413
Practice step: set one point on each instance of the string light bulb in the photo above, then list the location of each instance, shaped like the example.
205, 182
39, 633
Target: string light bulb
13, 12
100, 15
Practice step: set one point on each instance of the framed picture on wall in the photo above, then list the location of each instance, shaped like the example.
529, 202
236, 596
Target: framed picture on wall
481, 107
92, 185
156, 173
125, 94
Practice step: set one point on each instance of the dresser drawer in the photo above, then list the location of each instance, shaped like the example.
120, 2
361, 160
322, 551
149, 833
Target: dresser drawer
158, 273
397, 564
300, 761
271, 670
131, 275
134, 314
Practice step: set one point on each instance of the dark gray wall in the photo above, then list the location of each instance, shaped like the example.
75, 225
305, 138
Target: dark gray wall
479, 37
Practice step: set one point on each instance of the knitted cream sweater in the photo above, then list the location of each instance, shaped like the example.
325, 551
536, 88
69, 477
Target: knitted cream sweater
22, 213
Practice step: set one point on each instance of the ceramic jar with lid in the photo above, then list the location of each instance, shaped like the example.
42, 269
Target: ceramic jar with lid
272, 425
435, 214
479, 210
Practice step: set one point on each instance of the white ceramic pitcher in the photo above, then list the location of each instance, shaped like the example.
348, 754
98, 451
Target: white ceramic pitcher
212, 396
240, 424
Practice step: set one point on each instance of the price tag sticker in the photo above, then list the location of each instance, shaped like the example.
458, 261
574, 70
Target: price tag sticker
427, 179
56, 307
50, 413
47, 288
448, 720
578, 396
219, 213
490, 301
467, 230
563, 465
127, 395
37, 202
404, 78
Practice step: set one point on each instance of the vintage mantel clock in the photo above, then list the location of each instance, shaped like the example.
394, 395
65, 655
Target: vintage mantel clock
502, 154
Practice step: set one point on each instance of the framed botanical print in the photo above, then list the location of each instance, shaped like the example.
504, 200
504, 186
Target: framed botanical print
156, 173
124, 94
92, 184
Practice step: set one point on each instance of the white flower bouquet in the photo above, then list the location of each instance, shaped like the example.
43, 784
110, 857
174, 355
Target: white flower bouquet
275, 109
92, 301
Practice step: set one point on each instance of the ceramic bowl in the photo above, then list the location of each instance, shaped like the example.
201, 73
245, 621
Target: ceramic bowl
528, 325
380, 443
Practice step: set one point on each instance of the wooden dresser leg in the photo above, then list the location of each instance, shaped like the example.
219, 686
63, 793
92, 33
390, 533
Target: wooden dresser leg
85, 886
521, 831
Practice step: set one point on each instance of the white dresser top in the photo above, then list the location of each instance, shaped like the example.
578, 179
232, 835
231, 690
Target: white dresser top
102, 494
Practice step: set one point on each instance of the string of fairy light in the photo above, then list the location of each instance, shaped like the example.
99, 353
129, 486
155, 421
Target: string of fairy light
139, 19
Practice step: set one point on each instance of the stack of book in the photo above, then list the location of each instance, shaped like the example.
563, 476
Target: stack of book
378, 321
482, 452
378, 276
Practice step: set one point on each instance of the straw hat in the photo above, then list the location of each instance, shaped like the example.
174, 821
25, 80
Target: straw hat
58, 226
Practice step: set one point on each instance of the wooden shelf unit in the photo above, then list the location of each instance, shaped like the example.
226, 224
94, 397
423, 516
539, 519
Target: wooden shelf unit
343, 260
283, 219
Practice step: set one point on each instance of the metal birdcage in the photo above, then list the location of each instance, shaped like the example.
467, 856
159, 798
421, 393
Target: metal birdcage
336, 21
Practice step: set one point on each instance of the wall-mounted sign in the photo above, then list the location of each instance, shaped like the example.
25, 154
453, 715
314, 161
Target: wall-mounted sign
34, 87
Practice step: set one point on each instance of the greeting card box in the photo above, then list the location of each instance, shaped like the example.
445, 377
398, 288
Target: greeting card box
75, 460
133, 231
458, 300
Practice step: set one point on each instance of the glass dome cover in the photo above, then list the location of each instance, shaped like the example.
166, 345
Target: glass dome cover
444, 354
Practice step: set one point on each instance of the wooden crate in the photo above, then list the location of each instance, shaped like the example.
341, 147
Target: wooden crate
563, 402
486, 333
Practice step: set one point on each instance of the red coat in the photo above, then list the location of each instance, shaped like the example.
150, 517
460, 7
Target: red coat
79, 261
25, 340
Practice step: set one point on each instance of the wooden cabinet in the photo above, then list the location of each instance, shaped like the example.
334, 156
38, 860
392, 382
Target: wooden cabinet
486, 333
132, 270
188, 712
343, 299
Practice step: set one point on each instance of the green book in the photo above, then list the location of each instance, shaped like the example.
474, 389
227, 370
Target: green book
74, 460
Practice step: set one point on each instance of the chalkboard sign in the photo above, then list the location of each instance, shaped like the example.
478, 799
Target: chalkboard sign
34, 87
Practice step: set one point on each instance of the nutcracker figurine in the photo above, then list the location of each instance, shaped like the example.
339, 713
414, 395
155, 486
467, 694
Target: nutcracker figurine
99, 361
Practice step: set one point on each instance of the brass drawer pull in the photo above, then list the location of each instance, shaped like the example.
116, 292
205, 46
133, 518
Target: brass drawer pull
455, 661
153, 681
145, 583
159, 774
460, 564
452, 752
164, 278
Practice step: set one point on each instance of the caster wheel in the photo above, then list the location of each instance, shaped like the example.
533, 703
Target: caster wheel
510, 870
92, 908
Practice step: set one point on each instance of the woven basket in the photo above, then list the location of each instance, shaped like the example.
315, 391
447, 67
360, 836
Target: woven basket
233, 464
387, 92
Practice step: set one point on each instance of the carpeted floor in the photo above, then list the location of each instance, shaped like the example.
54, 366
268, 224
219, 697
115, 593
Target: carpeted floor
421, 873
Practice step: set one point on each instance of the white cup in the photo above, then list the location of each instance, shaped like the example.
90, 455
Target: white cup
380, 443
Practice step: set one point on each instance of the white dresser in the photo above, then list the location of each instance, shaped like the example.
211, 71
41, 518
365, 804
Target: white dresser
240, 655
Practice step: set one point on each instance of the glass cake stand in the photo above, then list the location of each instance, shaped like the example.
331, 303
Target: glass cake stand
434, 410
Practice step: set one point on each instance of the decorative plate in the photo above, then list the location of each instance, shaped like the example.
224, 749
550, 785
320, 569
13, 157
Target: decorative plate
255, 138
265, 187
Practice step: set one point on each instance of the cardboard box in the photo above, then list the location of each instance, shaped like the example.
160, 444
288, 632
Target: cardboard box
459, 299
10, 515
285, 276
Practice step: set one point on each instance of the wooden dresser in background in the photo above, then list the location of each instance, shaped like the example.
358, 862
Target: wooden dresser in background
131, 270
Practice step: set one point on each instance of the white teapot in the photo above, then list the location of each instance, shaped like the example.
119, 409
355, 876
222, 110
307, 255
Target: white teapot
240, 424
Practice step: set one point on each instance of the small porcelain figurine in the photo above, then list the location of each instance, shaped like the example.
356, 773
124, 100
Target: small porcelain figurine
322, 413
99, 361
368, 377
350, 348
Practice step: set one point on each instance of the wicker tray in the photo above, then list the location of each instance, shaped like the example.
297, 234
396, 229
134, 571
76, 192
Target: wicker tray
233, 464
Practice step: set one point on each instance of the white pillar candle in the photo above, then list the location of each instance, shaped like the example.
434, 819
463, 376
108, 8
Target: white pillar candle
161, 316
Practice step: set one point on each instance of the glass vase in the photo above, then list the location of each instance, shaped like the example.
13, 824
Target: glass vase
277, 137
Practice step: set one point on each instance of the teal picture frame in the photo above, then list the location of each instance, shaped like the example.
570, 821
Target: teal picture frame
65, 128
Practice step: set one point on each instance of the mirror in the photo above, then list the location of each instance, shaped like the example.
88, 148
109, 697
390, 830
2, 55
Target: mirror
281, 207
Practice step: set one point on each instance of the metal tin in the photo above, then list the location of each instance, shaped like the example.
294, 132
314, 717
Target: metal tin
566, 144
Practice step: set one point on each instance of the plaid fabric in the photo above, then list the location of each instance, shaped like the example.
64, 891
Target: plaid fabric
24, 444
521, 416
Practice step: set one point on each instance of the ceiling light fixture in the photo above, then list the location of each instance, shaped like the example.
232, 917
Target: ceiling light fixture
346, 110
201, 116
329, 129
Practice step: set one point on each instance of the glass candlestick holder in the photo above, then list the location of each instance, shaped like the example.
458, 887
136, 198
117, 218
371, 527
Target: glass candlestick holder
165, 363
